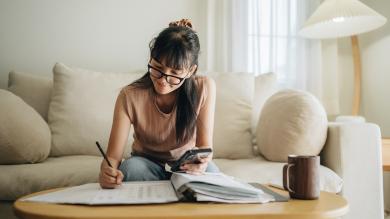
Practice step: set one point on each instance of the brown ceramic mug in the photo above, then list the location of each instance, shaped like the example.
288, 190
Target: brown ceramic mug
301, 177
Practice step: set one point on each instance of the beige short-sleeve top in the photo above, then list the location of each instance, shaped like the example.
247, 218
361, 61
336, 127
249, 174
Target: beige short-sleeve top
155, 131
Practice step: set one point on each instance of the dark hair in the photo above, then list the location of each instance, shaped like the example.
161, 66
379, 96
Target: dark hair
178, 47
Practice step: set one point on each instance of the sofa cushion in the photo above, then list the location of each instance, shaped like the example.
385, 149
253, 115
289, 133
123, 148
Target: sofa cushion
24, 135
34, 90
262, 171
23, 179
232, 135
81, 109
291, 122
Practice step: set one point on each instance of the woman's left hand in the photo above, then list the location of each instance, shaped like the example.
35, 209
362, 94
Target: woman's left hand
196, 168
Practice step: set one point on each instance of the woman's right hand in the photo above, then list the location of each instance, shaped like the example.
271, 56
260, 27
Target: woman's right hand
110, 177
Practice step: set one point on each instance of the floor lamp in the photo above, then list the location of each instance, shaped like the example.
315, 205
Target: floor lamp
341, 18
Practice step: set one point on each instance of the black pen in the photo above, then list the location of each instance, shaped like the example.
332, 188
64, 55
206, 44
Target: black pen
104, 155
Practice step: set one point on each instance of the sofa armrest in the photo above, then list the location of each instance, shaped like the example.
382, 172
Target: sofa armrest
353, 151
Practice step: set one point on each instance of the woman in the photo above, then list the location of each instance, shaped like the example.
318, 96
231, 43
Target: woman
171, 109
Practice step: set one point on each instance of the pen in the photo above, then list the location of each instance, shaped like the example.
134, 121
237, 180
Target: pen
104, 155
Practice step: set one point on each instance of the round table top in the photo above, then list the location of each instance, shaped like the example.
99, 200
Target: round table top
329, 205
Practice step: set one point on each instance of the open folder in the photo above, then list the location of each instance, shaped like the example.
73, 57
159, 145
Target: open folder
214, 187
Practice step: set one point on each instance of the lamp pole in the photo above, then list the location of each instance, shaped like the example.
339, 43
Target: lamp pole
341, 18
357, 75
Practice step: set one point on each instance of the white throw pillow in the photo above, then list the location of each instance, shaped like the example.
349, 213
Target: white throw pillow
232, 133
291, 122
265, 86
24, 135
81, 109
34, 90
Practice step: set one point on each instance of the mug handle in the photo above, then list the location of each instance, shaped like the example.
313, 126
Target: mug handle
286, 177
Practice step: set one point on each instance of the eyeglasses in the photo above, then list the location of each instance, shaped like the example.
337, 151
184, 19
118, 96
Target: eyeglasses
173, 80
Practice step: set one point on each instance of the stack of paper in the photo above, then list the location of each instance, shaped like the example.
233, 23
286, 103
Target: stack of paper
127, 193
218, 188
182, 186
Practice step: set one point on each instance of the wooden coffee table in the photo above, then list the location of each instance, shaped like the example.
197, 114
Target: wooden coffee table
327, 206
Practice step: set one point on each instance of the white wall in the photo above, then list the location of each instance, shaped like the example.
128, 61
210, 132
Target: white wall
103, 35
375, 55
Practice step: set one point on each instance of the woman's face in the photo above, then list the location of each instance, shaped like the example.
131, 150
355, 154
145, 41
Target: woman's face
161, 74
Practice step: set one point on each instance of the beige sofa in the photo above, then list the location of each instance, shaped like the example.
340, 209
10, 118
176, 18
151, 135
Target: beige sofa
77, 109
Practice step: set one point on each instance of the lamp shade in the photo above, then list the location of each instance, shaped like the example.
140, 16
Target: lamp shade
340, 18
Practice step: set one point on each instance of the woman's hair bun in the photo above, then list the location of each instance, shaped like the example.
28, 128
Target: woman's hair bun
182, 22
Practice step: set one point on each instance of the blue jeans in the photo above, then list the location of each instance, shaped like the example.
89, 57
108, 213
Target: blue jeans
138, 168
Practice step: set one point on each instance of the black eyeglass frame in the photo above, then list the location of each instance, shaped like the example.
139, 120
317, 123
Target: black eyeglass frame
162, 74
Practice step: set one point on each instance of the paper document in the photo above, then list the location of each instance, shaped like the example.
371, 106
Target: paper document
201, 197
218, 179
214, 187
127, 193
218, 187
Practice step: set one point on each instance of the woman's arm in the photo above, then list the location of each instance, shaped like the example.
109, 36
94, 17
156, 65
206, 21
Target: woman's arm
205, 121
119, 131
110, 177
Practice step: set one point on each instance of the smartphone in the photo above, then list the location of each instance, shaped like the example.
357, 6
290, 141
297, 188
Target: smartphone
191, 156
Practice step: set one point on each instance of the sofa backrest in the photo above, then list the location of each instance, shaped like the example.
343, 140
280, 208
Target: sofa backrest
240, 97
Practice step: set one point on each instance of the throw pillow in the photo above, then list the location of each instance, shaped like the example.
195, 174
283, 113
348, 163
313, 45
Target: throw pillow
81, 109
265, 86
232, 134
24, 135
291, 122
34, 90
